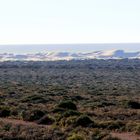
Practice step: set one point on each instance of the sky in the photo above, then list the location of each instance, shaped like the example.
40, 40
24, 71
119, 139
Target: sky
69, 21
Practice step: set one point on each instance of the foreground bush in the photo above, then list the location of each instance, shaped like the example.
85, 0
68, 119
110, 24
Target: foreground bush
4, 112
67, 105
84, 121
32, 115
133, 104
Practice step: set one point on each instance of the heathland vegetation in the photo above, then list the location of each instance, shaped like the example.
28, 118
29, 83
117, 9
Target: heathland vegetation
72, 100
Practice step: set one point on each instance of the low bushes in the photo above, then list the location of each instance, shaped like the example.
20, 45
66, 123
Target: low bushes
133, 104
69, 113
32, 115
35, 99
111, 125
4, 112
46, 120
84, 121
137, 130
98, 135
67, 105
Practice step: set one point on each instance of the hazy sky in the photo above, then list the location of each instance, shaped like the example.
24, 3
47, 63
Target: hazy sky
69, 21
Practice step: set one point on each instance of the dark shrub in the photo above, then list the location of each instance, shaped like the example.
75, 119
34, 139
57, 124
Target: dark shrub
103, 104
69, 113
78, 98
116, 125
32, 115
67, 105
35, 99
46, 120
84, 121
4, 112
14, 112
133, 104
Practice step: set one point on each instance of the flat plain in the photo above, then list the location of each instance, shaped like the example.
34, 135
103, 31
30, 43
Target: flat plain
72, 100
